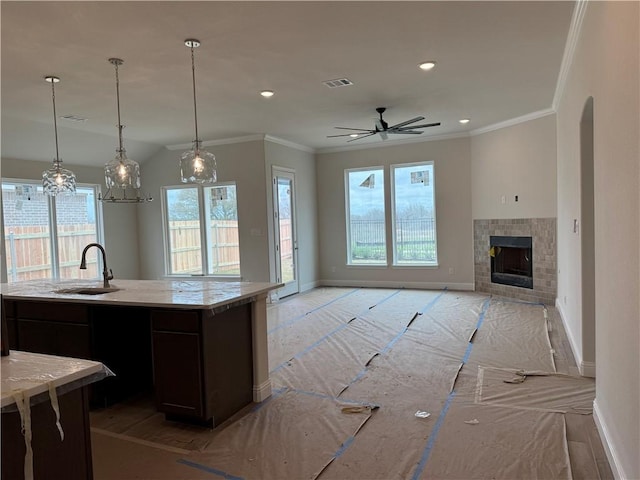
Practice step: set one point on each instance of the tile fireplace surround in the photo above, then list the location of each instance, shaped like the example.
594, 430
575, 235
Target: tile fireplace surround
543, 233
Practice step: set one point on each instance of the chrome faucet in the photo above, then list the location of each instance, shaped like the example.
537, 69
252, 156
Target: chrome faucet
106, 273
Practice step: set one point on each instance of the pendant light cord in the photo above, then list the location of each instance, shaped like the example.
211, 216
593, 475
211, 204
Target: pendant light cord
117, 62
195, 108
55, 122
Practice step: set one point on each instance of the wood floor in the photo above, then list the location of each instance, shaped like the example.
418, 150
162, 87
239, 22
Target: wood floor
317, 340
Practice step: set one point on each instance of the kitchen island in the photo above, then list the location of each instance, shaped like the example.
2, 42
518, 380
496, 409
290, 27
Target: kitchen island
45, 416
201, 345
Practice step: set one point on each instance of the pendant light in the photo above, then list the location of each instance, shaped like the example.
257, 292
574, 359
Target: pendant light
197, 165
57, 180
121, 172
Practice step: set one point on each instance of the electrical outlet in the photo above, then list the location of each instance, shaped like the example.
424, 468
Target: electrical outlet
450, 270
333, 269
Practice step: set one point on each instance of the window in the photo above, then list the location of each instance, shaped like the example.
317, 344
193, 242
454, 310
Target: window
44, 236
366, 230
201, 229
414, 214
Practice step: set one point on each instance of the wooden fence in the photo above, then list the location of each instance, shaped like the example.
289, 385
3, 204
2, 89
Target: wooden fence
29, 252
185, 247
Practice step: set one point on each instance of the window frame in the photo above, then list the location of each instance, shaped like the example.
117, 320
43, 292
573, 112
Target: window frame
392, 192
53, 225
203, 210
347, 204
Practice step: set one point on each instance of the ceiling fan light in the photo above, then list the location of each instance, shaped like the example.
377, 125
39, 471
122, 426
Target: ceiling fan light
464, 121
354, 135
427, 65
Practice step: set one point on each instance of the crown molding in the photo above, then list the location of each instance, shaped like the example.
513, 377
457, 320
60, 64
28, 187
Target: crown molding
391, 143
212, 143
513, 121
569, 49
287, 143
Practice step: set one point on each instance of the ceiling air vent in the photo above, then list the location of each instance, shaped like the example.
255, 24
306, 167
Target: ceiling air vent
73, 118
338, 82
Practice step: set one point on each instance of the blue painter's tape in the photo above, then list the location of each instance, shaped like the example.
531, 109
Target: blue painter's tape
343, 447
434, 433
432, 438
300, 317
275, 394
214, 471
324, 337
432, 302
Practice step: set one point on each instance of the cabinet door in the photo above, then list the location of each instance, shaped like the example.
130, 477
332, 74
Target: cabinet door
53, 338
178, 378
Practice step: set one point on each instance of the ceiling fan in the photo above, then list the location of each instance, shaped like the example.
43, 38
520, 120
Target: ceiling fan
384, 129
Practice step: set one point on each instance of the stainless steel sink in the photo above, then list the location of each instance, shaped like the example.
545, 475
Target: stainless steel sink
87, 290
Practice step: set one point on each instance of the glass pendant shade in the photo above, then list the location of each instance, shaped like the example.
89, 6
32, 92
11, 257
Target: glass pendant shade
122, 172
198, 166
58, 180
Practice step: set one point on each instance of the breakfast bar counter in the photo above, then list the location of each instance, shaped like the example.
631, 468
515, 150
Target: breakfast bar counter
200, 345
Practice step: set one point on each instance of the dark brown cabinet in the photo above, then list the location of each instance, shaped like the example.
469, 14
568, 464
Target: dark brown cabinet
202, 362
58, 329
199, 362
52, 458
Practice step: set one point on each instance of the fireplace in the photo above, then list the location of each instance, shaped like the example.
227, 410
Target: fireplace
511, 261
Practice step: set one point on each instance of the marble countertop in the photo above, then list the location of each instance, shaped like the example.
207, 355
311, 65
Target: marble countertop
30, 374
198, 294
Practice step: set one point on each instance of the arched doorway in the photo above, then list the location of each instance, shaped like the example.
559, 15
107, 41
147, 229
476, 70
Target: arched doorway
587, 194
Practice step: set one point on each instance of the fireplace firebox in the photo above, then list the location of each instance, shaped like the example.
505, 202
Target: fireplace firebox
511, 261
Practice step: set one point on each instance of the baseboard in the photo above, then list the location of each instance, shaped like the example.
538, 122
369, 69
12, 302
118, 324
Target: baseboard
389, 284
588, 369
577, 352
607, 443
262, 392
309, 286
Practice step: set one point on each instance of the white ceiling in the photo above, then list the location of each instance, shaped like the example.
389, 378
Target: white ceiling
495, 61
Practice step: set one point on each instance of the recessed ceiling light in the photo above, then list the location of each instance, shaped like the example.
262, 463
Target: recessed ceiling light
427, 65
353, 135
267, 93
464, 120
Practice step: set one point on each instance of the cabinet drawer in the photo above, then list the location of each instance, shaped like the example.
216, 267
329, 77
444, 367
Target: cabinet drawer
57, 312
175, 321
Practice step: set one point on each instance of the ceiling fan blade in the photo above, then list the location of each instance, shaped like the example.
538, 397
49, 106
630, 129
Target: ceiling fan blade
360, 136
404, 131
346, 135
407, 122
360, 129
423, 125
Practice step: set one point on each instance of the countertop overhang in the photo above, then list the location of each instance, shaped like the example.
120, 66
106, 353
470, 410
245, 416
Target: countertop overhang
182, 294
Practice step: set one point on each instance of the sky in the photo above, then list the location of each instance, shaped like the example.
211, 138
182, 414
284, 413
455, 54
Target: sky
363, 198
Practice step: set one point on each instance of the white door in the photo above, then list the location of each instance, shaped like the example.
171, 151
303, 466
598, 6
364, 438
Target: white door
286, 247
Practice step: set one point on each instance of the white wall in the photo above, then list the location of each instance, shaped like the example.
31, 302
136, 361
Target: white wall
239, 162
120, 221
304, 164
606, 66
452, 163
517, 160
